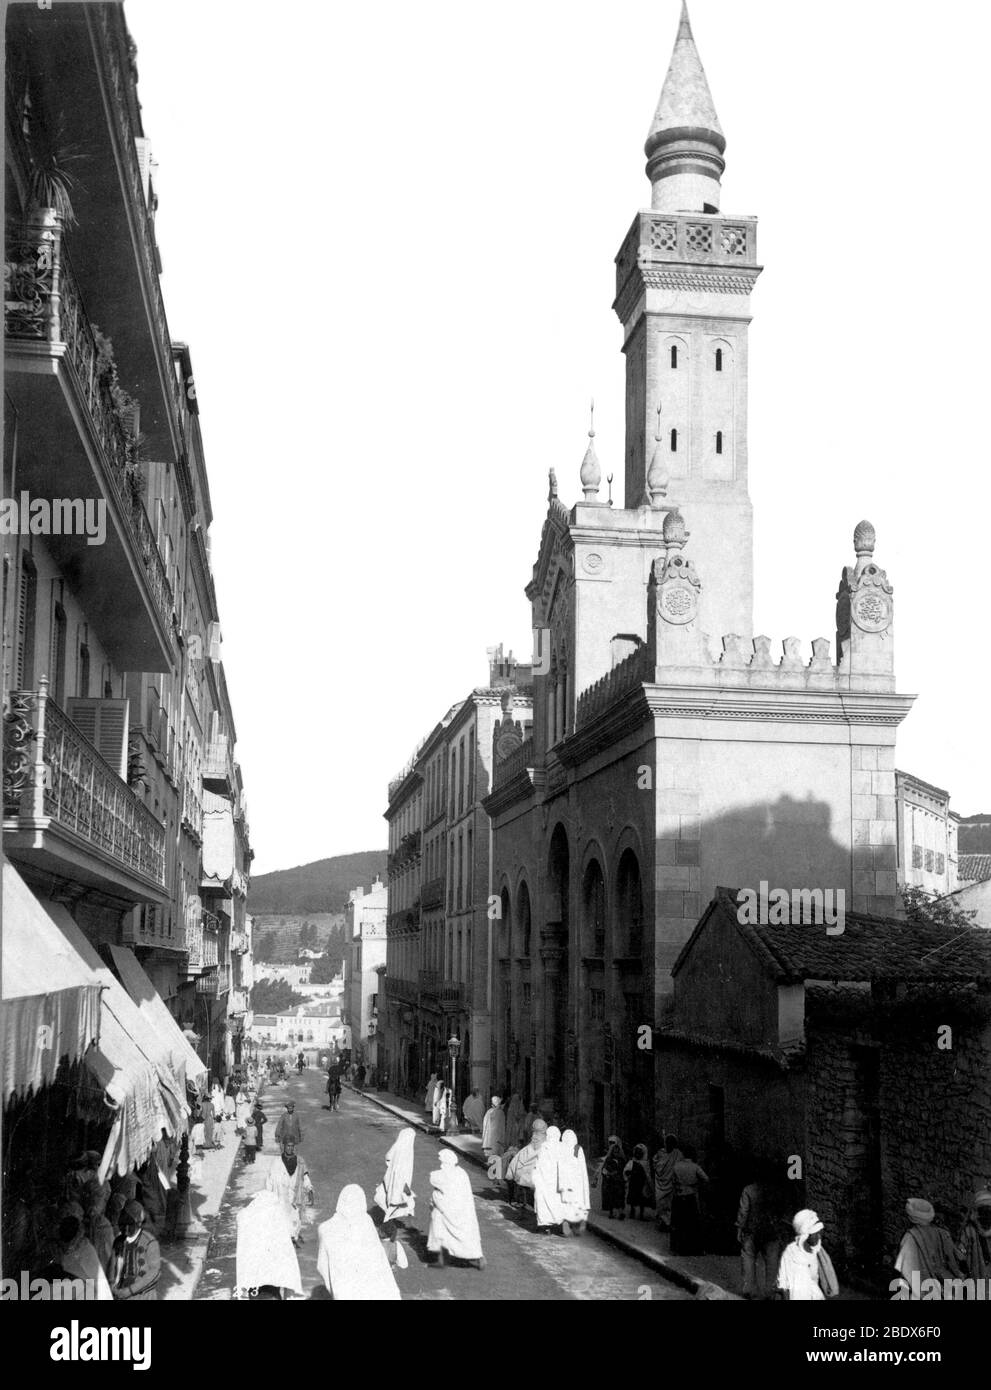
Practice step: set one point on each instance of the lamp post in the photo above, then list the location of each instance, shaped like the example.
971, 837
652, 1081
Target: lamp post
453, 1047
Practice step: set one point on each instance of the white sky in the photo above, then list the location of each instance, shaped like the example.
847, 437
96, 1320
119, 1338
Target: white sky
388, 234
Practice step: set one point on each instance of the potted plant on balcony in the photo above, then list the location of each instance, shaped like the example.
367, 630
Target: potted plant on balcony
51, 183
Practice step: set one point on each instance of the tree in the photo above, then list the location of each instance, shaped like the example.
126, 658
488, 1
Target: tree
274, 997
930, 910
268, 947
325, 969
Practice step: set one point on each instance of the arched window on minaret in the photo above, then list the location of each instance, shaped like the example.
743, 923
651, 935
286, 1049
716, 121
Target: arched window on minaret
719, 441
674, 355
719, 359
674, 441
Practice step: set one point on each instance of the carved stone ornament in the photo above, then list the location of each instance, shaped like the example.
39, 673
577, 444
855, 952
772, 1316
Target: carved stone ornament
508, 742
871, 610
593, 563
678, 591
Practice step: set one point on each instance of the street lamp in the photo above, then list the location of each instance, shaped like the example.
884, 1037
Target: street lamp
453, 1047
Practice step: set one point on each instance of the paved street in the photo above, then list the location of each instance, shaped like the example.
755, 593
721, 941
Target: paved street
350, 1146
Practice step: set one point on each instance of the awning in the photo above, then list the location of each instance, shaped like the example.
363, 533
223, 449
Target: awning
185, 1063
50, 1007
132, 1064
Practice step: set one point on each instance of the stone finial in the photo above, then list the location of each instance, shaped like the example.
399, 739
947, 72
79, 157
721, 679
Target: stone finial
864, 540
591, 474
551, 485
657, 479
674, 532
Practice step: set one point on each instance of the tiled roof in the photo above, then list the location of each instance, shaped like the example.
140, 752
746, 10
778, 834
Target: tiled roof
974, 868
870, 948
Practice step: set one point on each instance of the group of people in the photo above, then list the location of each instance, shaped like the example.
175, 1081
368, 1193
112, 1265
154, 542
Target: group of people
103, 1233
353, 1260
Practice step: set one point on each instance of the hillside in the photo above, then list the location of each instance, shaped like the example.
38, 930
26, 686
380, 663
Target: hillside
320, 887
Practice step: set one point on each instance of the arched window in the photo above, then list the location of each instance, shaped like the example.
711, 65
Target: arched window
719, 359
719, 441
594, 902
523, 906
674, 355
630, 903
674, 441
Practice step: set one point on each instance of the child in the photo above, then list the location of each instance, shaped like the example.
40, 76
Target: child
250, 1142
639, 1183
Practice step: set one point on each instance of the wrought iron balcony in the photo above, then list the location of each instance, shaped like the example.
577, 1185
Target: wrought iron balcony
45, 322
67, 810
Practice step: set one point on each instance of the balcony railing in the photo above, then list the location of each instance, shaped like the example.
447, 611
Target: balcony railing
207, 984
42, 303
51, 771
109, 55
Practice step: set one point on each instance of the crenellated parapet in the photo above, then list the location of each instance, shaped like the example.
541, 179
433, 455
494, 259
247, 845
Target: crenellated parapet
623, 677
678, 653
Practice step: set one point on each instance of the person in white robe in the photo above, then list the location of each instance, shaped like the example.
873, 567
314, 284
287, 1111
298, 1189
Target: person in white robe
290, 1182
394, 1194
494, 1129
806, 1274
265, 1255
453, 1219
572, 1184
428, 1098
351, 1260
546, 1196
243, 1114
473, 1112
522, 1166
77, 1255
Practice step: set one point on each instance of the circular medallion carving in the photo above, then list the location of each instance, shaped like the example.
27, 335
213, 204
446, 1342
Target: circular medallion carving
871, 612
678, 603
593, 563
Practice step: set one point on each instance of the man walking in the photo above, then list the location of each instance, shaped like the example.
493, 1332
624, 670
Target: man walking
289, 1129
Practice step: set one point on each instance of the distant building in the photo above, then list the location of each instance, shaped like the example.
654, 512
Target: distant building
365, 952
927, 835
438, 927
305, 1026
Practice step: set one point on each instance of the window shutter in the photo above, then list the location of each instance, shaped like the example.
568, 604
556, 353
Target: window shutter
104, 723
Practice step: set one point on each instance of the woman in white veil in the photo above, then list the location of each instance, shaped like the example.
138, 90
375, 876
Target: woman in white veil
351, 1260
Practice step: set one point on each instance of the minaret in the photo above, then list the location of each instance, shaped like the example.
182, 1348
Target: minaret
683, 281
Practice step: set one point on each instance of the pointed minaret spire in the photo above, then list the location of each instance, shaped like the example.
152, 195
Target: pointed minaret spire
685, 146
591, 474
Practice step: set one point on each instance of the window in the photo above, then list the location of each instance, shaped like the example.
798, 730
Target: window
719, 359
916, 856
940, 863
674, 356
595, 911
930, 861
470, 872
83, 684
719, 441
597, 1004
26, 612
527, 989
674, 441
58, 655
